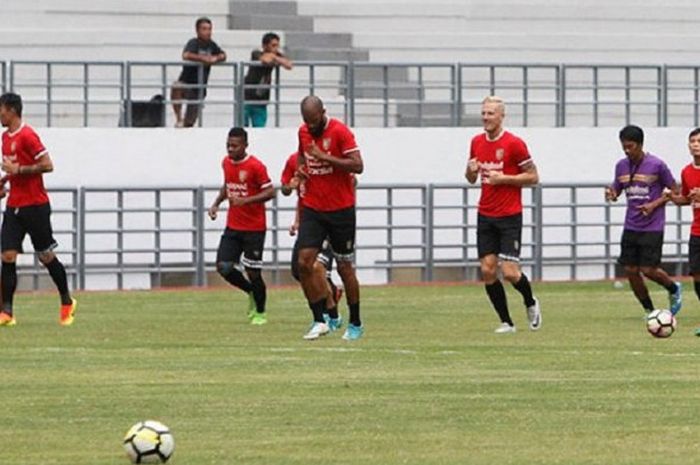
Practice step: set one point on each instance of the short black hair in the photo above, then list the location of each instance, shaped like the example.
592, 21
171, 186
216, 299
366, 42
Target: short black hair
632, 133
238, 132
12, 101
269, 37
200, 21
694, 133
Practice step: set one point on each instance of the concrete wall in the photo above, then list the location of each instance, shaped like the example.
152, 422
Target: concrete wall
134, 157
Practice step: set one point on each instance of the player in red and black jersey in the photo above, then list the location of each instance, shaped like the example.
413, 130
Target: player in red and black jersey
324, 261
505, 166
25, 159
329, 157
690, 195
247, 187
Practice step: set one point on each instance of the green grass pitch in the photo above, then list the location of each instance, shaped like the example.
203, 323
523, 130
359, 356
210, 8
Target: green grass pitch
429, 384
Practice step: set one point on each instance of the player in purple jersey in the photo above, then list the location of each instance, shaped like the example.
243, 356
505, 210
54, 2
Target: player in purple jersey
644, 178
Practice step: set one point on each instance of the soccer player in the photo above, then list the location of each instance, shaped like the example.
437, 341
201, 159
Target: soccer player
505, 166
247, 187
25, 160
329, 157
643, 177
292, 181
690, 195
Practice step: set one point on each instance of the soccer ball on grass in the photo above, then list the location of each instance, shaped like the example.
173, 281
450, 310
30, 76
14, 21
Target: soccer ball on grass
661, 323
149, 442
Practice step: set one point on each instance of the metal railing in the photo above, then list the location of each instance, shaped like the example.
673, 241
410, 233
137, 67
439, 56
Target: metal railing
151, 237
65, 93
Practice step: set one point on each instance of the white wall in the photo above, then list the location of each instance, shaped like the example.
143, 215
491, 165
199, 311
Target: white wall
134, 157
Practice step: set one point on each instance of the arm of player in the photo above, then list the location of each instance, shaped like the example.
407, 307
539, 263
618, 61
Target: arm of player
44, 164
283, 61
261, 197
214, 209
294, 227
649, 207
293, 185
472, 173
352, 162
528, 177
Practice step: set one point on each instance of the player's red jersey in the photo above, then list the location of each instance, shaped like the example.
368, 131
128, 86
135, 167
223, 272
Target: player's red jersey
245, 178
24, 147
507, 154
328, 188
690, 179
290, 168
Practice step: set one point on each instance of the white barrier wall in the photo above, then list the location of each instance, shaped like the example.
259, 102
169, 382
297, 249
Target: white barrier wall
151, 157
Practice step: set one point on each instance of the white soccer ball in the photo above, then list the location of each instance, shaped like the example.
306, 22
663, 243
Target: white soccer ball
661, 323
149, 442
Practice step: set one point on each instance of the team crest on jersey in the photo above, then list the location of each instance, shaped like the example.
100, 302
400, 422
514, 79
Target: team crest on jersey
242, 175
326, 144
499, 154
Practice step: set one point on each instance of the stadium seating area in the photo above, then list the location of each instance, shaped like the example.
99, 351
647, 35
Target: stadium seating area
410, 30
447, 31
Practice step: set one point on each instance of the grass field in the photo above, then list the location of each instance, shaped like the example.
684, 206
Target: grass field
429, 384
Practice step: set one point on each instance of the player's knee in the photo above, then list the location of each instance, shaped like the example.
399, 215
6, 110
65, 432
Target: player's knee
9, 256
631, 270
488, 272
647, 271
306, 262
46, 257
225, 268
511, 273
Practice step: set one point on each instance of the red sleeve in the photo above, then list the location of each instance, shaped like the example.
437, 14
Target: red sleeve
34, 146
289, 169
347, 141
263, 178
685, 189
521, 155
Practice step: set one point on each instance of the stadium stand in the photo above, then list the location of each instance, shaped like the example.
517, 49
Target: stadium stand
473, 31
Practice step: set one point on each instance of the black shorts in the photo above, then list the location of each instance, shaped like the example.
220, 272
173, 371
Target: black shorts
34, 220
500, 236
249, 244
639, 248
325, 257
336, 226
694, 254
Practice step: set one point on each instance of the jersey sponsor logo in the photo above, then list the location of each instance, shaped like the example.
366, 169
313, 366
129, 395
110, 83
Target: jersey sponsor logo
637, 192
236, 189
318, 168
500, 153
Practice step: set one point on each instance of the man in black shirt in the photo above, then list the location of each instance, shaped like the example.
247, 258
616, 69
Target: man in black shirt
191, 85
260, 77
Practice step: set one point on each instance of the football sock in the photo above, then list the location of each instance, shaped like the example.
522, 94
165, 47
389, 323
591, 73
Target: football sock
332, 312
672, 288
259, 293
318, 309
355, 314
9, 284
523, 286
696, 284
237, 279
497, 295
647, 304
58, 275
